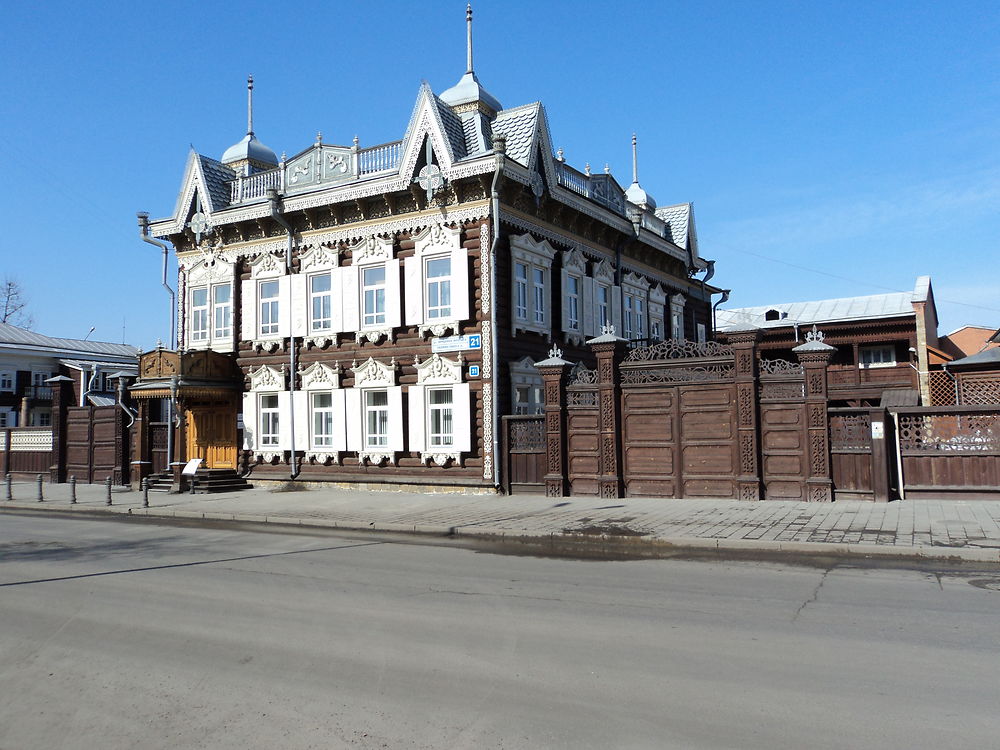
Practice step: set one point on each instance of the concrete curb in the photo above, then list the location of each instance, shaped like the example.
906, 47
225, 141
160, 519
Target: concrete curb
637, 547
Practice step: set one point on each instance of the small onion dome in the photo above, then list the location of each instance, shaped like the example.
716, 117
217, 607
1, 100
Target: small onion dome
635, 194
468, 90
249, 149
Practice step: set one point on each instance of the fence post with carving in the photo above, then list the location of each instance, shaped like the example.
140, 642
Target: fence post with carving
608, 348
554, 371
744, 344
815, 356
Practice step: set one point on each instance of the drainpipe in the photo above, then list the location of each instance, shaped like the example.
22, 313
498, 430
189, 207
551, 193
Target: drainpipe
723, 298
954, 380
90, 384
121, 400
275, 203
144, 236
500, 147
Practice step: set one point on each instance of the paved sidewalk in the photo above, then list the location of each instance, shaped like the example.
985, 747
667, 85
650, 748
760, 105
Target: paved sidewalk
916, 529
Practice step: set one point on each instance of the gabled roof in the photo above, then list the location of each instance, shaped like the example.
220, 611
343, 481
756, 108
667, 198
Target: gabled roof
520, 127
12, 337
895, 304
680, 223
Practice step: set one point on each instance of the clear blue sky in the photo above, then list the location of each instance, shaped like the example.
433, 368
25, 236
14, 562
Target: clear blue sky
831, 149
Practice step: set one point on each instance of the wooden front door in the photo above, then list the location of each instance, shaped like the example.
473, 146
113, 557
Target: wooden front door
211, 435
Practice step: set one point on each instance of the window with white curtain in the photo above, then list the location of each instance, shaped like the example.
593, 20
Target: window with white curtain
269, 308
376, 420
269, 420
373, 296
320, 302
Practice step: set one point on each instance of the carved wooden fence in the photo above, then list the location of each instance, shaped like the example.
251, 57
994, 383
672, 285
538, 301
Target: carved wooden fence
25, 450
949, 451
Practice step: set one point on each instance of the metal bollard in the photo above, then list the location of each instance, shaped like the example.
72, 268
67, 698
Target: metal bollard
107, 488
72, 490
145, 492
10, 489
39, 480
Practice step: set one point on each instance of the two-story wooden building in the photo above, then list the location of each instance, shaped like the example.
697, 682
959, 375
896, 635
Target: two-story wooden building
384, 306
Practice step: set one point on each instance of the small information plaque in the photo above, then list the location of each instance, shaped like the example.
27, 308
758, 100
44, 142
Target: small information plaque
191, 467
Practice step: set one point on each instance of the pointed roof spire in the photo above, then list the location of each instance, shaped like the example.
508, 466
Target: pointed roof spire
635, 161
249, 149
468, 23
250, 105
635, 194
468, 94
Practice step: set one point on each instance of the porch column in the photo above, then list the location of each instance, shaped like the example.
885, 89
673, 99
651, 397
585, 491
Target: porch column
554, 370
815, 357
881, 424
142, 455
744, 343
608, 348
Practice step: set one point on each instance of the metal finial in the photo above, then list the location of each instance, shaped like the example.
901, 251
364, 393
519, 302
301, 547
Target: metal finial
319, 136
586, 168
356, 141
284, 156
250, 105
555, 352
468, 23
560, 155
635, 161
607, 168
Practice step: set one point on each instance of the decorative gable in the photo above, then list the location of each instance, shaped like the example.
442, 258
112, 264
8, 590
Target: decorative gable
319, 376
573, 261
372, 250
439, 370
267, 378
438, 237
425, 122
266, 266
374, 374
604, 273
319, 258
210, 270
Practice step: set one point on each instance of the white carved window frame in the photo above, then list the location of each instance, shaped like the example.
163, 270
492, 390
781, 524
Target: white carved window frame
636, 291
265, 267
320, 378
437, 241
604, 277
370, 252
657, 312
574, 267
209, 274
266, 381
317, 260
8, 379
440, 373
524, 374
373, 375
537, 256
677, 302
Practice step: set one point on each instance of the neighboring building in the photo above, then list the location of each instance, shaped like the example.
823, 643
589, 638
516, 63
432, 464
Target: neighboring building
385, 305
882, 340
968, 340
29, 359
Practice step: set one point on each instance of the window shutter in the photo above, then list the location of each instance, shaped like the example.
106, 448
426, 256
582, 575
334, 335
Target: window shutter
395, 397
300, 304
336, 300
464, 428
413, 290
300, 403
339, 415
249, 421
616, 310
589, 312
284, 306
460, 284
393, 318
284, 420
350, 294
418, 418
353, 416
248, 303
565, 300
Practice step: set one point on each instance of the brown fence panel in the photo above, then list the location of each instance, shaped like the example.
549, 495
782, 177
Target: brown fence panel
851, 453
25, 450
79, 459
524, 454
93, 443
583, 443
783, 430
950, 452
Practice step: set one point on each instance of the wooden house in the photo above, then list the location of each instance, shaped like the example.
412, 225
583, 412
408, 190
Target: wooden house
383, 307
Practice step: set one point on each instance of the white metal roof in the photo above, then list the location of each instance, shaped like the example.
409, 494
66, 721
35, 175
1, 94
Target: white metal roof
14, 337
894, 304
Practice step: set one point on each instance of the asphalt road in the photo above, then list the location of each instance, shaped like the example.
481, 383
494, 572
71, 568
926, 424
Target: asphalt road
136, 635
